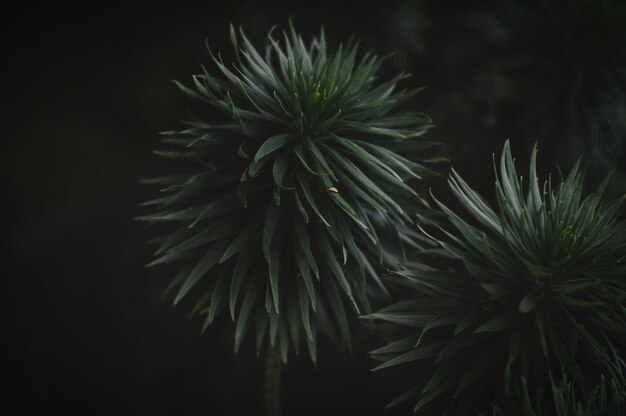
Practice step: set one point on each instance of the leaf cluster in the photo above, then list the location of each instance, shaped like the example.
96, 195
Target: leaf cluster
513, 295
300, 194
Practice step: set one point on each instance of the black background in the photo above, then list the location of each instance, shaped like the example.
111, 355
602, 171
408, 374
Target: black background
85, 91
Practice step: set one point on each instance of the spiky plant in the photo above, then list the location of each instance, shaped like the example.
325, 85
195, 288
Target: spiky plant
298, 191
512, 295
605, 399
564, 62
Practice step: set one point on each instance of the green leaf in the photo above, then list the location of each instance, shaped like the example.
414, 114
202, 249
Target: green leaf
420, 353
272, 220
308, 195
503, 321
304, 296
529, 303
271, 145
330, 260
244, 239
241, 268
274, 272
303, 251
281, 163
205, 264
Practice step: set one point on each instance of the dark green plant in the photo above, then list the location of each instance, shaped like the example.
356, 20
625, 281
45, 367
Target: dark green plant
512, 295
298, 192
564, 64
605, 399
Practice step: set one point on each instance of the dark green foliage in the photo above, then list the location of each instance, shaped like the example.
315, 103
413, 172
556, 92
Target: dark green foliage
603, 400
512, 296
564, 64
299, 192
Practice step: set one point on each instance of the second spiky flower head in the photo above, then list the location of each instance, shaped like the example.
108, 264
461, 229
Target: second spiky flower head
530, 291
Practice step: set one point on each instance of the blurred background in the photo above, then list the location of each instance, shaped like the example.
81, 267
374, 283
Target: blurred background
86, 90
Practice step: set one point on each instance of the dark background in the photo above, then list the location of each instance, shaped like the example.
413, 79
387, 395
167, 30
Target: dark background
85, 92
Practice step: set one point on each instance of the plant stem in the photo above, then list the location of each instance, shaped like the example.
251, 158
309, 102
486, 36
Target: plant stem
273, 369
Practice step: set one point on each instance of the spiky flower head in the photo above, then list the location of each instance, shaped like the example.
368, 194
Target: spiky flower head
511, 296
299, 190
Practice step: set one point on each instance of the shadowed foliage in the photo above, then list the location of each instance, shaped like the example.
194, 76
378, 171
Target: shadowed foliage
604, 399
300, 190
514, 295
